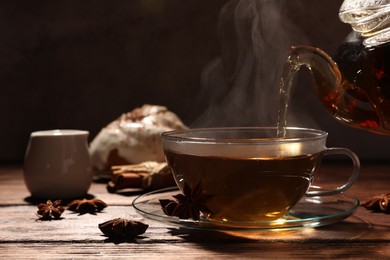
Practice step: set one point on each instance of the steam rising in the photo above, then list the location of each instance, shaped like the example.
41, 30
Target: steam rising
241, 87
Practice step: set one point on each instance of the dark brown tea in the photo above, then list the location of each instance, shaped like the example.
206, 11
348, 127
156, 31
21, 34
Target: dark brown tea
354, 88
246, 189
367, 93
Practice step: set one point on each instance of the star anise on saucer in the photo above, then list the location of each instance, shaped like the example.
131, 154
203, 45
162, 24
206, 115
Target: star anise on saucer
187, 205
120, 228
378, 203
87, 206
50, 210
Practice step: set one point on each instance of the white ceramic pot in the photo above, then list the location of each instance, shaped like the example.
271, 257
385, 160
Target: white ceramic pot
57, 164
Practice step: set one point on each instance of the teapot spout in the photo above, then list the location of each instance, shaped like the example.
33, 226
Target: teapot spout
344, 101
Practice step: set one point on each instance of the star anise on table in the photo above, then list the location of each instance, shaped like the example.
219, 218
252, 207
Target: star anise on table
87, 206
50, 210
378, 203
187, 205
120, 228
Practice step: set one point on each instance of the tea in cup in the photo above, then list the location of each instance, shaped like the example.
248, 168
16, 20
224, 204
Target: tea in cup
57, 164
250, 174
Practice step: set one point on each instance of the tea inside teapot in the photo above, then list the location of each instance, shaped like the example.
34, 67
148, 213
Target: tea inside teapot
354, 87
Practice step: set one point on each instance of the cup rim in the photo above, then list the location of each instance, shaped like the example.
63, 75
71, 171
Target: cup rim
59, 132
177, 135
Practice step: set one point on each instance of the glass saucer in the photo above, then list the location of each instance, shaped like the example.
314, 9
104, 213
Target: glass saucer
308, 212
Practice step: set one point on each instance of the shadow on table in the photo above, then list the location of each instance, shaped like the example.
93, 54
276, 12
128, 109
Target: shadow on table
117, 241
34, 201
335, 239
355, 228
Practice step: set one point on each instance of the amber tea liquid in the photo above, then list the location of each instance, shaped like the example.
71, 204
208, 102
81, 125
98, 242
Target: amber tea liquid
361, 97
367, 94
246, 189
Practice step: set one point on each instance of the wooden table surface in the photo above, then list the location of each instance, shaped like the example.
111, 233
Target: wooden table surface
363, 235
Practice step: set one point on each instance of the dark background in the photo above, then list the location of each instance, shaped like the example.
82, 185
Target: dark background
80, 64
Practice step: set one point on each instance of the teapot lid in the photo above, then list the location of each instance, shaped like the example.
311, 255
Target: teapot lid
369, 18
362, 4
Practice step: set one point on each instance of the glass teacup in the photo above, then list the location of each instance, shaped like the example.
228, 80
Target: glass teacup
250, 174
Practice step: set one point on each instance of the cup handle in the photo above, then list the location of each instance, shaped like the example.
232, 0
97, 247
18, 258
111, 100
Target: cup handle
347, 185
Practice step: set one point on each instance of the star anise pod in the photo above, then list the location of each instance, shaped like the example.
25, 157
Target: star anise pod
87, 206
187, 205
50, 210
122, 228
378, 203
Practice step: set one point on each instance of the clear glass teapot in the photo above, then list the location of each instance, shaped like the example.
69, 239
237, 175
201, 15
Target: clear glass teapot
354, 86
369, 18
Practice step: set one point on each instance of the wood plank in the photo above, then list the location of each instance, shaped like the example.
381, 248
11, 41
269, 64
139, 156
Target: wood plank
13, 190
374, 179
19, 223
192, 250
363, 235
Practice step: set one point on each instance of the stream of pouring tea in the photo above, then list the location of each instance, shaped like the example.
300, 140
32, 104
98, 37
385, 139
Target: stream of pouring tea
286, 82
